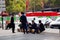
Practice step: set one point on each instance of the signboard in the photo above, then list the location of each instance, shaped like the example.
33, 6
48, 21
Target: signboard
43, 14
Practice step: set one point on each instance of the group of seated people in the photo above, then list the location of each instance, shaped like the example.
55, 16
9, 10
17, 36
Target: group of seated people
36, 27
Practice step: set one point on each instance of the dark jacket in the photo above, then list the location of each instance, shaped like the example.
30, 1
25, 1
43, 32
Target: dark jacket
34, 25
23, 19
12, 19
12, 22
41, 26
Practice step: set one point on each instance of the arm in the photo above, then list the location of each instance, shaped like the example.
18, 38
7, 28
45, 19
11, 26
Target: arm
20, 19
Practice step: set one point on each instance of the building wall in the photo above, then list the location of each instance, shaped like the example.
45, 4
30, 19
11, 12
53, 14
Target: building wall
2, 5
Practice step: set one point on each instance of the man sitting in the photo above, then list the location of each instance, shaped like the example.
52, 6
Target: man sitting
34, 26
41, 26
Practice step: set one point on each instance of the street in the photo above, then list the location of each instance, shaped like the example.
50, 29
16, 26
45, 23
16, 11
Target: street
48, 34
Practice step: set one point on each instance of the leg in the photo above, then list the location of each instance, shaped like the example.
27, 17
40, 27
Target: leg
40, 29
30, 29
24, 30
13, 29
20, 29
37, 30
6, 27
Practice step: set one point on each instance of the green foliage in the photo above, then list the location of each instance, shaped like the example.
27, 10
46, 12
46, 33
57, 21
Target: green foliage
34, 5
15, 5
20, 5
57, 3
53, 3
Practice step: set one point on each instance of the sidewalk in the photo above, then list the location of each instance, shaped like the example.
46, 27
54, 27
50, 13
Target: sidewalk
8, 32
48, 34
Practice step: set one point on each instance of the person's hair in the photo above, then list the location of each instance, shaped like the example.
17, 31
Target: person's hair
29, 23
39, 21
22, 12
32, 20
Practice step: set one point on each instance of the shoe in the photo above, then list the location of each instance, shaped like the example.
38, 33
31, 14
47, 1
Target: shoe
13, 32
24, 32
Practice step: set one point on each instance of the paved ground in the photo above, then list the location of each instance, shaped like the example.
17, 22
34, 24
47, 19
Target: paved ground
48, 34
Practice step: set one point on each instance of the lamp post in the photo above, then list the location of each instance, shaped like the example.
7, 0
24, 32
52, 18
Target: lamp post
2, 22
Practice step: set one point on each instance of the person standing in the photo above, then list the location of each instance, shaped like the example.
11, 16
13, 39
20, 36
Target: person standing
12, 24
23, 20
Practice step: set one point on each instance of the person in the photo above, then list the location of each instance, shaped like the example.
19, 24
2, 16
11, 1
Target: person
33, 18
30, 27
41, 26
20, 25
12, 24
8, 26
23, 20
34, 26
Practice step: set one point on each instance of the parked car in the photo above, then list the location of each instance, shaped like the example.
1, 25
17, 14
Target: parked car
55, 23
